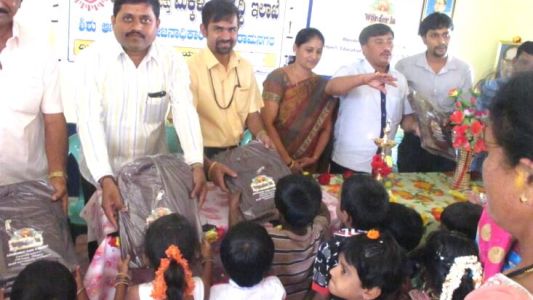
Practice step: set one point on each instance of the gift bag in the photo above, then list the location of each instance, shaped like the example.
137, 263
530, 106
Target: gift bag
152, 187
435, 132
258, 169
32, 228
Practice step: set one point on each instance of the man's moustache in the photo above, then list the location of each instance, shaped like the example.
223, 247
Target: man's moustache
134, 32
3, 10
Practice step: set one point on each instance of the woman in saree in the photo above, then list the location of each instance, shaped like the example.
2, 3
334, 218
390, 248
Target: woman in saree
297, 112
508, 180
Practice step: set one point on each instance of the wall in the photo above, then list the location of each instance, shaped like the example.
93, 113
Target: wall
481, 24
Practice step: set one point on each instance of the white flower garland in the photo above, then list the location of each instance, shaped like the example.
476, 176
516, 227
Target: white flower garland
457, 270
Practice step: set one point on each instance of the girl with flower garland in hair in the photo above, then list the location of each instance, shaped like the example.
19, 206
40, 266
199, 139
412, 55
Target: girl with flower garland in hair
370, 267
171, 248
449, 267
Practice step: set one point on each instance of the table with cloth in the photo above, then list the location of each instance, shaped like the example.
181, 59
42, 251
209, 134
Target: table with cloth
427, 193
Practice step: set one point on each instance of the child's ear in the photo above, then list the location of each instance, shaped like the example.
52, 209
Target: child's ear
371, 293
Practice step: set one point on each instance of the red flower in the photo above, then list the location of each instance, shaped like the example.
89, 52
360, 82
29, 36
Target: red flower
473, 100
347, 174
324, 178
479, 146
460, 141
476, 127
457, 117
460, 130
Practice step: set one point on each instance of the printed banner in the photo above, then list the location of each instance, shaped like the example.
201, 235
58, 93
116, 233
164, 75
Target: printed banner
259, 40
342, 31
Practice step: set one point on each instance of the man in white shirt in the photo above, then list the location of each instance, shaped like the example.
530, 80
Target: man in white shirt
126, 86
371, 94
33, 132
432, 74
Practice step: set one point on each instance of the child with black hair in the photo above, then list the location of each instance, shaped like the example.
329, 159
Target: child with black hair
370, 267
47, 280
462, 217
450, 267
304, 223
405, 225
364, 205
171, 247
246, 253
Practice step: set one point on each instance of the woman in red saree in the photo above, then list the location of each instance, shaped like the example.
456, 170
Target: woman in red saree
297, 112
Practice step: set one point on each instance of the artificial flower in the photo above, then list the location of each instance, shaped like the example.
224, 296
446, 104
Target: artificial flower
453, 93
457, 117
476, 127
467, 121
373, 234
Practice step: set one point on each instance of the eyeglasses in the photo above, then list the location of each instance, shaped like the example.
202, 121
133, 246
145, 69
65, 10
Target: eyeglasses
238, 85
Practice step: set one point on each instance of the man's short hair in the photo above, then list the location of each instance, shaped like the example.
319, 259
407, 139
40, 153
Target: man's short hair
298, 200
365, 200
373, 30
247, 252
526, 47
156, 7
216, 10
434, 21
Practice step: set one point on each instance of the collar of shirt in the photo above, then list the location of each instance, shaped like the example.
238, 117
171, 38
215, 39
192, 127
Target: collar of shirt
211, 61
450, 65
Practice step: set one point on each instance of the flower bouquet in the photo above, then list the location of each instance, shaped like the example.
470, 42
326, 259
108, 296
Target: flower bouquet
468, 124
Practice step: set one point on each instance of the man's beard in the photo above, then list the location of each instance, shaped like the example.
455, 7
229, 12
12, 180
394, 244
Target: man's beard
224, 49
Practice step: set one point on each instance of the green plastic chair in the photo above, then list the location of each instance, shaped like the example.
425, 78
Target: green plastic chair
172, 139
76, 204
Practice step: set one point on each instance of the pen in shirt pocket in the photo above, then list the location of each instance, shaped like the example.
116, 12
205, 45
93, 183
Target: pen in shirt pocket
159, 94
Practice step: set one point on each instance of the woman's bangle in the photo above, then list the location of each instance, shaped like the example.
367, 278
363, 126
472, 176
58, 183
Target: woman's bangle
211, 169
80, 290
121, 275
125, 283
208, 259
291, 163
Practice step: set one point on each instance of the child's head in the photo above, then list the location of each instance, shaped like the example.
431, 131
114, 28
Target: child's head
44, 279
364, 202
462, 217
246, 253
405, 225
369, 267
298, 200
438, 255
173, 229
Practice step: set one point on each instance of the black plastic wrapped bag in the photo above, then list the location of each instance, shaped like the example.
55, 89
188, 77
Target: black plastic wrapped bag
152, 187
435, 131
32, 227
258, 169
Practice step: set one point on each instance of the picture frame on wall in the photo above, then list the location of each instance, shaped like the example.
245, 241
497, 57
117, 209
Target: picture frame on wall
443, 6
504, 58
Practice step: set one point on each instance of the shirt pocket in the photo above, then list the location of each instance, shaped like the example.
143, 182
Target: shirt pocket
242, 101
156, 109
26, 100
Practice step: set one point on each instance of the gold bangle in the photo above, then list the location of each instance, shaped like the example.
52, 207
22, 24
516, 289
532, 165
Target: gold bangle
80, 290
291, 163
194, 165
55, 174
122, 283
209, 259
211, 169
